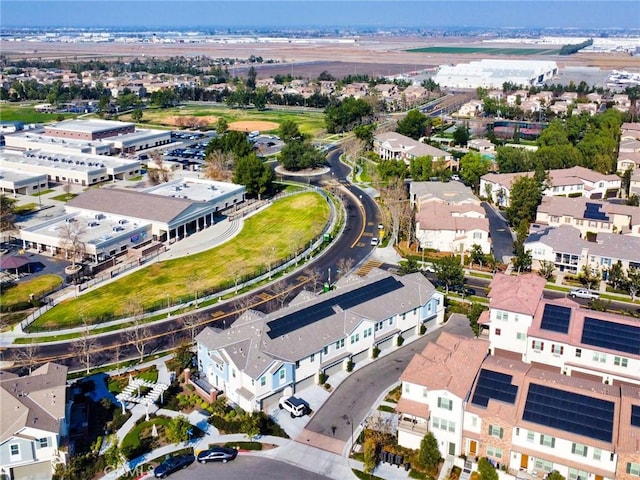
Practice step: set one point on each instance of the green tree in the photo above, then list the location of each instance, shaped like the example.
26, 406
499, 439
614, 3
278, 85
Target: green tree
289, 131
113, 455
633, 282
547, 267
231, 142
522, 258
365, 134
254, 174
343, 116
449, 271
370, 455
589, 277
421, 168
251, 78
474, 314
300, 155
177, 429
555, 475
626, 181
136, 115
389, 169
472, 167
429, 455
553, 135
477, 256
615, 275
461, 135
413, 125
486, 470
526, 195
222, 126
251, 424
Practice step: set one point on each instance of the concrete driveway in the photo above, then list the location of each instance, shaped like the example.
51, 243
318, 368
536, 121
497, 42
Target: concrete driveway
501, 237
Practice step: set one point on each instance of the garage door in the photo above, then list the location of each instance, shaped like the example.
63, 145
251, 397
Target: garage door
307, 382
38, 471
409, 333
360, 356
386, 345
271, 402
333, 369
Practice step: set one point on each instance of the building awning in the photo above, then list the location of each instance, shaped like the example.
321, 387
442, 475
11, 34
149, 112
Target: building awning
411, 407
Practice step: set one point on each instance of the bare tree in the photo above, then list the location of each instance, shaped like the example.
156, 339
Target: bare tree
116, 355
280, 292
161, 172
345, 265
29, 356
397, 210
70, 239
85, 347
138, 335
197, 282
238, 271
192, 323
66, 188
219, 166
313, 274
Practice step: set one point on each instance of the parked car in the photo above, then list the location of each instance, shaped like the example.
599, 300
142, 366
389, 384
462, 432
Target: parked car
584, 293
217, 454
375, 241
173, 464
295, 406
462, 290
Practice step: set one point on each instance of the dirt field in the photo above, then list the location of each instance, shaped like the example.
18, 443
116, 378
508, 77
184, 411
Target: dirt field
181, 120
253, 125
370, 55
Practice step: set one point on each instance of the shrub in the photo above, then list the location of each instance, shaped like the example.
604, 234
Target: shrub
375, 352
322, 378
370, 448
349, 366
400, 340
423, 329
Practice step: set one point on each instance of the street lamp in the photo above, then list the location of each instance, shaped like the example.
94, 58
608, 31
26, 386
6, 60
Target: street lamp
168, 306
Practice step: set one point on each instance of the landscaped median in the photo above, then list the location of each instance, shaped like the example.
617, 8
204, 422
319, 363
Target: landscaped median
284, 228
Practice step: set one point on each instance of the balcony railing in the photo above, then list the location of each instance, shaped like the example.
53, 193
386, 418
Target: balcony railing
414, 426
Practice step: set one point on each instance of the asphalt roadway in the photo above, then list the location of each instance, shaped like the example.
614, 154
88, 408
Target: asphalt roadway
362, 220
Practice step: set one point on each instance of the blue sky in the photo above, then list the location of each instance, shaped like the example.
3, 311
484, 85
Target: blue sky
336, 13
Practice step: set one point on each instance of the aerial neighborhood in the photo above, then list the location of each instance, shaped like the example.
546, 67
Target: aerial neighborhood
365, 253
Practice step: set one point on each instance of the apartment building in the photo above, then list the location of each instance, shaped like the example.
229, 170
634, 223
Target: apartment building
560, 390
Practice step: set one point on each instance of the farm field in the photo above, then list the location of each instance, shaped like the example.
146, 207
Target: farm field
486, 50
287, 225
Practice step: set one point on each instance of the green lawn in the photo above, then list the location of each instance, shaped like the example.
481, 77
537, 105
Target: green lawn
287, 225
65, 197
21, 291
24, 112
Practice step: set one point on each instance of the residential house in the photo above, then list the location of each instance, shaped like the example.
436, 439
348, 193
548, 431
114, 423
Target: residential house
569, 97
471, 109
452, 228
628, 160
621, 102
33, 422
629, 145
634, 188
570, 253
571, 182
356, 90
481, 145
392, 145
456, 193
589, 216
262, 356
435, 388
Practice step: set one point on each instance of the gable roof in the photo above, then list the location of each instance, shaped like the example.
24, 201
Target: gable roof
397, 142
438, 216
36, 400
518, 294
131, 204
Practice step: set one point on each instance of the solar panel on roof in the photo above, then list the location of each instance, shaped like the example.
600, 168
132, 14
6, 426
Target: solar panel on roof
635, 415
309, 315
611, 335
570, 412
556, 318
494, 386
593, 212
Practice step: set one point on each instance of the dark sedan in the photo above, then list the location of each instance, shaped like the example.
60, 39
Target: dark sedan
173, 464
217, 454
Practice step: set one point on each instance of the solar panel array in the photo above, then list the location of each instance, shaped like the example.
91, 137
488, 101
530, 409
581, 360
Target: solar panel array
635, 415
556, 318
611, 335
494, 386
592, 211
309, 315
570, 412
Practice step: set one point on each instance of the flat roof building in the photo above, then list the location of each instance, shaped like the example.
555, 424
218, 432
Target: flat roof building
92, 129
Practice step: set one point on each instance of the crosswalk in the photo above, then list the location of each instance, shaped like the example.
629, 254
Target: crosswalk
364, 270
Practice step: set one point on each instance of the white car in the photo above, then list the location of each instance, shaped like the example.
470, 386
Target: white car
295, 406
375, 241
584, 293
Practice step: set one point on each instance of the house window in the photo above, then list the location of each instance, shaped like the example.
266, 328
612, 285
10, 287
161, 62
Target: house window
474, 421
445, 403
575, 474
263, 381
537, 345
578, 352
498, 332
597, 453
367, 333
530, 437
579, 449
543, 465
233, 373
340, 344
15, 450
378, 326
355, 338
547, 441
42, 442
282, 374
557, 349
312, 358
599, 357
632, 469
521, 336
391, 321
477, 235
325, 350
494, 452
620, 361
496, 431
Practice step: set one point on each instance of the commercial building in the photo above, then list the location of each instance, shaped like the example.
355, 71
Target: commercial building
15, 181
493, 73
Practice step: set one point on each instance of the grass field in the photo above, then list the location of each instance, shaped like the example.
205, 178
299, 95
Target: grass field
24, 112
309, 122
20, 292
287, 225
486, 50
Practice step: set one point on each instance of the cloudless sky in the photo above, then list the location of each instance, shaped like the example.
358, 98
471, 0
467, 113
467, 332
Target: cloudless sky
336, 13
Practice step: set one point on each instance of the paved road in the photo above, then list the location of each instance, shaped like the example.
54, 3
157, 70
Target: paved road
246, 466
501, 239
351, 402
